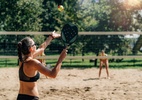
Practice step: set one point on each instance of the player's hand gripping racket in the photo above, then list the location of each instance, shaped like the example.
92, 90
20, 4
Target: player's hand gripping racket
69, 34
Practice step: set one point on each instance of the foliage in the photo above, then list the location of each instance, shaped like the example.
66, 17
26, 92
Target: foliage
20, 15
88, 15
107, 16
54, 19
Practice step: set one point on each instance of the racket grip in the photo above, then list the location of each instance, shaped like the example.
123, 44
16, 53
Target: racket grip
66, 45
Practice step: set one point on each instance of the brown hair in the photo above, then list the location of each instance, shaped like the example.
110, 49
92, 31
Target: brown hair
23, 47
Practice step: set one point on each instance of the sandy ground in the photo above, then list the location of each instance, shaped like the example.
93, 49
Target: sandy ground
78, 84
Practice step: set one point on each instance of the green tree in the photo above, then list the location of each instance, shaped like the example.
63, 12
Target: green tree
99, 17
105, 16
20, 15
54, 19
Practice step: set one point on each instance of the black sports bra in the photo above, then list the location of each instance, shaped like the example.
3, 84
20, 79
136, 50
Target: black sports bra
25, 78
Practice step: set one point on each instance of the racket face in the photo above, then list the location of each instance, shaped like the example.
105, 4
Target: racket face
69, 33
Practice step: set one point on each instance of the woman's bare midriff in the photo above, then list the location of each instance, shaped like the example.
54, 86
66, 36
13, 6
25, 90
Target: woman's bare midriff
29, 88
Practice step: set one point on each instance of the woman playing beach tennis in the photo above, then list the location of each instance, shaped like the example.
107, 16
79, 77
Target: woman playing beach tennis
104, 61
30, 67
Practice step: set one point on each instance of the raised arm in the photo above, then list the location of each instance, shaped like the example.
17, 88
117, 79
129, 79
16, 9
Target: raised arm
52, 73
58, 65
43, 46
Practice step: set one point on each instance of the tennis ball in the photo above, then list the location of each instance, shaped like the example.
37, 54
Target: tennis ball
60, 8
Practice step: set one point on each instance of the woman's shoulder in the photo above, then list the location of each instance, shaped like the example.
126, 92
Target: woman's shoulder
34, 61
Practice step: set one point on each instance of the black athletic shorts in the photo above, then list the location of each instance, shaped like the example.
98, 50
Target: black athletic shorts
26, 97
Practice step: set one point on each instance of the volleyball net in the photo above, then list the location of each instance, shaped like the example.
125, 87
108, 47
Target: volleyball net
88, 44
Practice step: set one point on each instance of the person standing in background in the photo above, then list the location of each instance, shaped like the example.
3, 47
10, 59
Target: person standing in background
103, 62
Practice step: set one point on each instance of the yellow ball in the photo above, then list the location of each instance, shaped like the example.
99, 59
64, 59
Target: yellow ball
60, 8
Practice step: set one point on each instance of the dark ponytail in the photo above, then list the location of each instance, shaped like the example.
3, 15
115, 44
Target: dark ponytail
19, 48
23, 48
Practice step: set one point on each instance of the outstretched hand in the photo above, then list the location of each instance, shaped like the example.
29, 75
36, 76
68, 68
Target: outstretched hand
55, 35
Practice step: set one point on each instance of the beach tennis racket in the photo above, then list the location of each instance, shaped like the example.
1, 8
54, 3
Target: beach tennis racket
69, 34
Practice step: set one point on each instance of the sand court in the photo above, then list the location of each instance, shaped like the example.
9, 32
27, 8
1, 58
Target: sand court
78, 84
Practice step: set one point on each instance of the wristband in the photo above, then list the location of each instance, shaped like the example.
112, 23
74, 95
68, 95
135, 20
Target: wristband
51, 36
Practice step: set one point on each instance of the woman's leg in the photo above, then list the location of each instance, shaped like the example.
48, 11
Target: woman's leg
107, 66
100, 68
